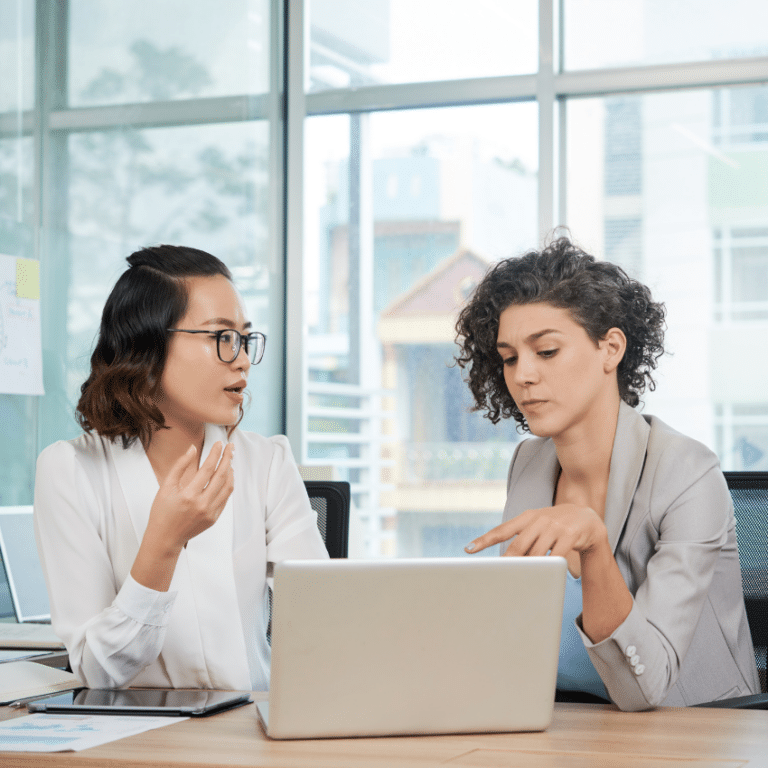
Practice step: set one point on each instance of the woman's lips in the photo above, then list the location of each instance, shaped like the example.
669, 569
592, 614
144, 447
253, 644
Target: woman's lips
235, 395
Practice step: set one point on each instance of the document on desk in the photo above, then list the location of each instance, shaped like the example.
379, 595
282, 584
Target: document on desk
71, 733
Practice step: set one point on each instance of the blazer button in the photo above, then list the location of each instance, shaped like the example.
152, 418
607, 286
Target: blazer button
635, 660
639, 669
631, 651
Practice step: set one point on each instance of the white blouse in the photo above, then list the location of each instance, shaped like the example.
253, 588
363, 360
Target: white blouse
92, 503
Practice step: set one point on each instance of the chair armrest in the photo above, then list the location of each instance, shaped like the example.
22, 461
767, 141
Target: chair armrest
755, 701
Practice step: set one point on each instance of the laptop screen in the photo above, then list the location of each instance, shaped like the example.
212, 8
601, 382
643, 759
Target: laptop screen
7, 611
23, 573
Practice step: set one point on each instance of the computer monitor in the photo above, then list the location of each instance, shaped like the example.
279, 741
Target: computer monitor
24, 583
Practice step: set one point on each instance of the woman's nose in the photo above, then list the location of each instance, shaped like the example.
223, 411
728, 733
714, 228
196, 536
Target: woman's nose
526, 371
242, 361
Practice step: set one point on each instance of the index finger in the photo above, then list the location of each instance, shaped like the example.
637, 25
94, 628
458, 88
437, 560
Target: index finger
181, 465
214, 462
507, 530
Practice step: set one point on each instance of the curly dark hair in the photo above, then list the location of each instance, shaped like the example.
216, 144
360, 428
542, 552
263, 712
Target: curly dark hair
599, 295
119, 397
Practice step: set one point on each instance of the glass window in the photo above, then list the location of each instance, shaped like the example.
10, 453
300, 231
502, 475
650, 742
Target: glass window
398, 233
148, 51
651, 188
17, 81
398, 41
205, 186
606, 33
17, 55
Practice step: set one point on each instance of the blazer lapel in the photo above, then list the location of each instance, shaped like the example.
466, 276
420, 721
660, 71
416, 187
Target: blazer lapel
533, 479
627, 461
137, 481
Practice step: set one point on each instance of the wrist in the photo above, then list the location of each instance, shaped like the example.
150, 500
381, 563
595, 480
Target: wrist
599, 548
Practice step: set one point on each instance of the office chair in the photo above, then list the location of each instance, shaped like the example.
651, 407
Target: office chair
749, 491
331, 500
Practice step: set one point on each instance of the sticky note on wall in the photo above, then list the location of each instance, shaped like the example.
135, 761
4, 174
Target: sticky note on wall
27, 278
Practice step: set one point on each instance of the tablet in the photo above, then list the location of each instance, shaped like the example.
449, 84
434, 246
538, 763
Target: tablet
141, 701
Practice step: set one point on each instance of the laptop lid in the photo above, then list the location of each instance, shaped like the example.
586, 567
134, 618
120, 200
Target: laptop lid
23, 571
367, 648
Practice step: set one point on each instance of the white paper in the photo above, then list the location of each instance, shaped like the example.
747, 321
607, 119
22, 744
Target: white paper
71, 733
21, 359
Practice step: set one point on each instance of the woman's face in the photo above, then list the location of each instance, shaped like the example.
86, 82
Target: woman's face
557, 376
196, 386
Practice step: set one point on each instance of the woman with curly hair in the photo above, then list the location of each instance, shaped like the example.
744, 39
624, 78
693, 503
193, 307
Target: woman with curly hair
654, 611
156, 525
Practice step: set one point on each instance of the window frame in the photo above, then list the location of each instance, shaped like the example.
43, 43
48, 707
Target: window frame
288, 105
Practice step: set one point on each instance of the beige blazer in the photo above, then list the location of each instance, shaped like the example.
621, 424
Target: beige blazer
671, 526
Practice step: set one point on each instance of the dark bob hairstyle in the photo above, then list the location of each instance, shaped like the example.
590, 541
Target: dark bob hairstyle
598, 295
118, 398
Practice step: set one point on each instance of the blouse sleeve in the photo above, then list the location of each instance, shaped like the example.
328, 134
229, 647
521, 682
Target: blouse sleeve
291, 523
640, 662
111, 631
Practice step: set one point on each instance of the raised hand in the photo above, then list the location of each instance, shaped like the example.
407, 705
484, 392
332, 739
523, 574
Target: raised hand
189, 501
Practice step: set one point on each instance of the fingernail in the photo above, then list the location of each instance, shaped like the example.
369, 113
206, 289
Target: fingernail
470, 547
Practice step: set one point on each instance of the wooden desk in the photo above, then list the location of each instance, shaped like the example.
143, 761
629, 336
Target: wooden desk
581, 736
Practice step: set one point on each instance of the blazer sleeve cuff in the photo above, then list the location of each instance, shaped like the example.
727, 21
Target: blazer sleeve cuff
144, 605
627, 665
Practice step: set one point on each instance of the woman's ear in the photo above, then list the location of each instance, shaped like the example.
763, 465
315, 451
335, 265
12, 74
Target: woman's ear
614, 345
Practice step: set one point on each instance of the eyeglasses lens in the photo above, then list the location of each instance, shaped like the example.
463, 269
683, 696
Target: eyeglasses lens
229, 346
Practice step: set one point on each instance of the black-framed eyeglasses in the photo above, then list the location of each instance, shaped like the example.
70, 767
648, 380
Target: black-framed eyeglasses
229, 341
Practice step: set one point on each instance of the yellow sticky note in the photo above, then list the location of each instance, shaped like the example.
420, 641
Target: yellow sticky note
27, 278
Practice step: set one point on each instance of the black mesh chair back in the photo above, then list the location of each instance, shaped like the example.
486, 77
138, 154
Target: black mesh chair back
330, 499
749, 491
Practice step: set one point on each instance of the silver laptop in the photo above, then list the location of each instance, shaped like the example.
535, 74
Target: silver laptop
24, 574
375, 648
23, 594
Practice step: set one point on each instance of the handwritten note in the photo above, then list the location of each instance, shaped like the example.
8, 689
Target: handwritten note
21, 359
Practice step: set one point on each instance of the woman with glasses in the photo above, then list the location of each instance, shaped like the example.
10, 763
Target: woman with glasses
654, 610
156, 525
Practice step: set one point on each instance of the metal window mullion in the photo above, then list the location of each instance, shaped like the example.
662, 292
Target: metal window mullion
51, 181
444, 93
276, 209
580, 83
295, 35
545, 96
662, 77
217, 109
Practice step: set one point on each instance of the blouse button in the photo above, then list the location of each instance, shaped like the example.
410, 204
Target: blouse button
635, 660
639, 669
631, 651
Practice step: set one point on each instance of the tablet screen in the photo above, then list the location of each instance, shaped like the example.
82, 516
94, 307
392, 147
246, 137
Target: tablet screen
142, 701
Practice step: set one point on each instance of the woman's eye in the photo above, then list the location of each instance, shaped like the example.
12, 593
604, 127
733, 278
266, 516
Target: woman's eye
548, 353
226, 338
510, 360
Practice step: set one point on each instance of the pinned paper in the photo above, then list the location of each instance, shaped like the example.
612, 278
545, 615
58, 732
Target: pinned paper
27, 278
21, 357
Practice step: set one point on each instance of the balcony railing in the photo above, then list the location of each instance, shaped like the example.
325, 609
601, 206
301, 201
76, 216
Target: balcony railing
449, 462
348, 427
